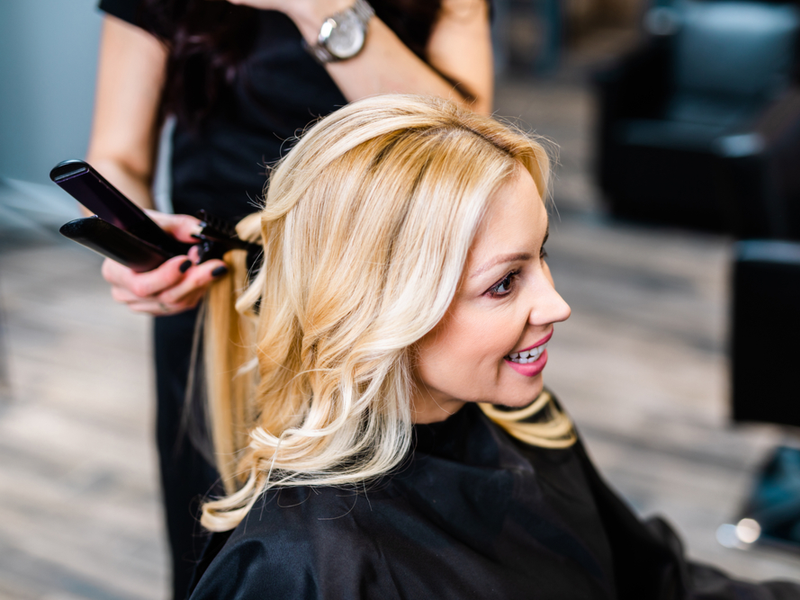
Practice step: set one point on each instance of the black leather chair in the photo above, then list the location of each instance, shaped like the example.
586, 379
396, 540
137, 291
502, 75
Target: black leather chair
764, 358
699, 126
765, 323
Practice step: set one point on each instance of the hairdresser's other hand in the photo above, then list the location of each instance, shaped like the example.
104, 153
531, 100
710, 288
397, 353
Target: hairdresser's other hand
175, 286
459, 46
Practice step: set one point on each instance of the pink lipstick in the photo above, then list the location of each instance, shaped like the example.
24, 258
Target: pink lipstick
531, 360
544, 340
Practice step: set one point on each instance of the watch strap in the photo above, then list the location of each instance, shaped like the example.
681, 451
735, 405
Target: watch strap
320, 53
363, 12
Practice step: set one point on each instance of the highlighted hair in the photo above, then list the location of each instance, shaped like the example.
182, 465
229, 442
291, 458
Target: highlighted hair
366, 227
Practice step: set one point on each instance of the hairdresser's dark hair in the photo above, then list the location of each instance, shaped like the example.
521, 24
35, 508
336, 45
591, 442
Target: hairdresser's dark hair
208, 41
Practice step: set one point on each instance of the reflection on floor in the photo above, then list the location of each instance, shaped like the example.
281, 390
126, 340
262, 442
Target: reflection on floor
640, 365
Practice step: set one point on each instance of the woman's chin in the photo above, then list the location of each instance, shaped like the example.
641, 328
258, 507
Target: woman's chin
523, 399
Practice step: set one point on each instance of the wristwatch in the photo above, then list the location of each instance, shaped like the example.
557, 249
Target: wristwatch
343, 34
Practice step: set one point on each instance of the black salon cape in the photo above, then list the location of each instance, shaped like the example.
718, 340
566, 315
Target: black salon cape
472, 513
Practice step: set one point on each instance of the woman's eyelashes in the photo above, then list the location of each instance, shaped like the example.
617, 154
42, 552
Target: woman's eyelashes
505, 286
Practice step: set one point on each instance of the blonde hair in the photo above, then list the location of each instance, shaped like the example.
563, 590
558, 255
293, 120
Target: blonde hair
366, 228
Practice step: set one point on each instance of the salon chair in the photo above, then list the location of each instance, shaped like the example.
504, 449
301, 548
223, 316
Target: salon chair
699, 125
765, 352
764, 358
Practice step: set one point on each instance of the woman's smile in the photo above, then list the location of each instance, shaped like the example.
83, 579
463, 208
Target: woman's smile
531, 366
530, 361
531, 352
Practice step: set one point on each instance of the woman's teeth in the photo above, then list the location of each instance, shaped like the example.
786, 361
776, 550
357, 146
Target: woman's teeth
528, 356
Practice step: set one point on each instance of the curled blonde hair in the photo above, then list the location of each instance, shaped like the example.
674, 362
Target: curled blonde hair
366, 228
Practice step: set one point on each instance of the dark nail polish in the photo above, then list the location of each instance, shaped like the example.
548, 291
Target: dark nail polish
185, 266
219, 271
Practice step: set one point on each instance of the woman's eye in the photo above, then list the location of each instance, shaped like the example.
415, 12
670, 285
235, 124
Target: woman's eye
542, 253
504, 286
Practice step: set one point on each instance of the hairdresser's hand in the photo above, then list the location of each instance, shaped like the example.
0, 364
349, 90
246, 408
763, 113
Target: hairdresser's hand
175, 286
459, 45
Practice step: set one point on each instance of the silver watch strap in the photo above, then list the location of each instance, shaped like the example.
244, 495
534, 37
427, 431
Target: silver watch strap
362, 10
320, 53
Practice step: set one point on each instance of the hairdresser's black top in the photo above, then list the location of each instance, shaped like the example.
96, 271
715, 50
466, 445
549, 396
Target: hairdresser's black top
276, 93
472, 514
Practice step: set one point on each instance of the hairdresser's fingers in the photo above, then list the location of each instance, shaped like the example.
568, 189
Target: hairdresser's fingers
194, 254
150, 305
194, 284
125, 296
181, 227
150, 283
157, 309
179, 298
156, 306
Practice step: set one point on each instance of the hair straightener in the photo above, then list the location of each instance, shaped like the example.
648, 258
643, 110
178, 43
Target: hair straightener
123, 232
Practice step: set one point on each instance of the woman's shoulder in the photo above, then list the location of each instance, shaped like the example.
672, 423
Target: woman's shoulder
302, 542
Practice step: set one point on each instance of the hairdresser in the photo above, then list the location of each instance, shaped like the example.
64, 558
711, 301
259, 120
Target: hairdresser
240, 80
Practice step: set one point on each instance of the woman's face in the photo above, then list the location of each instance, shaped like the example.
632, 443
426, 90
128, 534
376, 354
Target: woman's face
490, 346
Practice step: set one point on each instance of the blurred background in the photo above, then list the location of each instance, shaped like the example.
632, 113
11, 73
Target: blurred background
673, 238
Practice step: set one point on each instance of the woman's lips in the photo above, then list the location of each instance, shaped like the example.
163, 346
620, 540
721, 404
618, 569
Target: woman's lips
537, 354
529, 369
544, 340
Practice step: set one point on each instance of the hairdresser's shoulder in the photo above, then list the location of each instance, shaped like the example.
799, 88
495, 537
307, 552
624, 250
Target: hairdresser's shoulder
302, 543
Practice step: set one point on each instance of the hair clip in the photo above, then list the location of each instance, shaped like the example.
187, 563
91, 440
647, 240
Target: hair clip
218, 237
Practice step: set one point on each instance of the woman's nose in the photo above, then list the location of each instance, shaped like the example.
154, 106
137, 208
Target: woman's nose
549, 307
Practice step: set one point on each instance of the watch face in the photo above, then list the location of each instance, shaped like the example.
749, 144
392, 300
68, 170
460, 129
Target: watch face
347, 37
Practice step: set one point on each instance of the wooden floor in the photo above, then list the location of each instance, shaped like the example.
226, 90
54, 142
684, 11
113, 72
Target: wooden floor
640, 365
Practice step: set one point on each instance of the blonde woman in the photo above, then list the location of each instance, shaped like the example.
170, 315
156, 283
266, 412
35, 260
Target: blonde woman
240, 78
377, 404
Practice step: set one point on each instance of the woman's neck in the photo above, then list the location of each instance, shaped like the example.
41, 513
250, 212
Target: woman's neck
427, 409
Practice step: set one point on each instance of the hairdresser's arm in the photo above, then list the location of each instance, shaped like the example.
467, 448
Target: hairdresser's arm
122, 148
130, 77
459, 47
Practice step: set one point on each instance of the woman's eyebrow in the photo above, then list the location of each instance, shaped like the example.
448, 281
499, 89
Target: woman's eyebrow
503, 258
506, 258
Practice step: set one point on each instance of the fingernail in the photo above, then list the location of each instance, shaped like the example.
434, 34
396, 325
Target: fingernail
219, 271
185, 266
